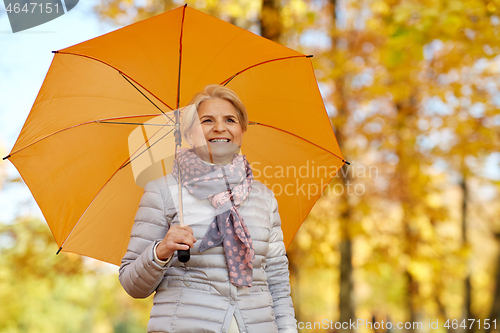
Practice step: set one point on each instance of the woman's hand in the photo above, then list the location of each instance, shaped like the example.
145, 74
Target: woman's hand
177, 238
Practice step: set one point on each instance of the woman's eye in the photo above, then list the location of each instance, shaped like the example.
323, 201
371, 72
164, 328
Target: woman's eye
231, 120
206, 120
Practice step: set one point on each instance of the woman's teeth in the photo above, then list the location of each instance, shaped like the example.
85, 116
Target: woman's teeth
219, 140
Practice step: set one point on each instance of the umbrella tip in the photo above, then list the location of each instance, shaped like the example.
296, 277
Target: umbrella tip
185, 5
55, 51
6, 157
346, 162
59, 250
309, 56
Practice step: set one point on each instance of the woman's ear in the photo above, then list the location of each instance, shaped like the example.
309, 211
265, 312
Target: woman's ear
189, 139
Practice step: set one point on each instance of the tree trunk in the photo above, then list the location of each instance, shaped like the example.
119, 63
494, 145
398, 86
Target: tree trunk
412, 285
346, 284
346, 304
270, 22
467, 285
495, 307
441, 307
403, 184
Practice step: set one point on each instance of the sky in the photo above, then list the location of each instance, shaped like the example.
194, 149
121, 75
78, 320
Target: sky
25, 58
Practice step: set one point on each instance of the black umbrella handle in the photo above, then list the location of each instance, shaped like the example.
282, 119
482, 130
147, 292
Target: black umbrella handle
183, 255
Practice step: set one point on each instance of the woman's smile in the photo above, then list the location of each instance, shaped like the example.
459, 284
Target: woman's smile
219, 140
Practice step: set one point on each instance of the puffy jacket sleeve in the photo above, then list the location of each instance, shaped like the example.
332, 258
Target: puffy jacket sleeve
139, 274
278, 276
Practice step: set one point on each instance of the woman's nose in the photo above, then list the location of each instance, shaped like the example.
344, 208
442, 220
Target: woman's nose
219, 126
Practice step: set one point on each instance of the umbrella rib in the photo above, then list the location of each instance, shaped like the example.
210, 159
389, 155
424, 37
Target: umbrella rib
156, 106
139, 124
104, 121
226, 81
180, 57
142, 152
124, 164
299, 137
135, 152
119, 71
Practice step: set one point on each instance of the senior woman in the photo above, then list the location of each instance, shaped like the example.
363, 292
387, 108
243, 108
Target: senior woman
237, 279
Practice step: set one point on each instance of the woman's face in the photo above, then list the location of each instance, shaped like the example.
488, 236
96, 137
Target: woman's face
219, 135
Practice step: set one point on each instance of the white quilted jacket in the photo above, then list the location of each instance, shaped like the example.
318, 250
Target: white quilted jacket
197, 296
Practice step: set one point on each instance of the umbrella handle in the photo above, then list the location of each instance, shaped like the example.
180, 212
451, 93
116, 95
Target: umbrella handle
183, 255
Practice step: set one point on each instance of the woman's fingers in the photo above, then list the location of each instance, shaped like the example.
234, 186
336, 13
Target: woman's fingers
181, 235
182, 239
187, 235
178, 246
177, 238
189, 231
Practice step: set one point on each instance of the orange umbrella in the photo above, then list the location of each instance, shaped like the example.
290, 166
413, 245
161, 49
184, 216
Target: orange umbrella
73, 151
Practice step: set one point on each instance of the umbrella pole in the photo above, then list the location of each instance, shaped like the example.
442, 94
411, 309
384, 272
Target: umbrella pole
183, 255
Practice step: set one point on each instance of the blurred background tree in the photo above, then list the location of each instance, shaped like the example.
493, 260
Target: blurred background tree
64, 293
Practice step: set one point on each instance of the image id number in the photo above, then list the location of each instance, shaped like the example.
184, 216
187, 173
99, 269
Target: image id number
35, 8
469, 323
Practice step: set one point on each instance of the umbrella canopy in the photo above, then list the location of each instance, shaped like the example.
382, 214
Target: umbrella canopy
73, 149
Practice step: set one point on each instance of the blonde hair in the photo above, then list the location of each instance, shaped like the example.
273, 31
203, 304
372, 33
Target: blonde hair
213, 91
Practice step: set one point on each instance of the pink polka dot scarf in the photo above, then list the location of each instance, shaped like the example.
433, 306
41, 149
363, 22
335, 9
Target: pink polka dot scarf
226, 186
